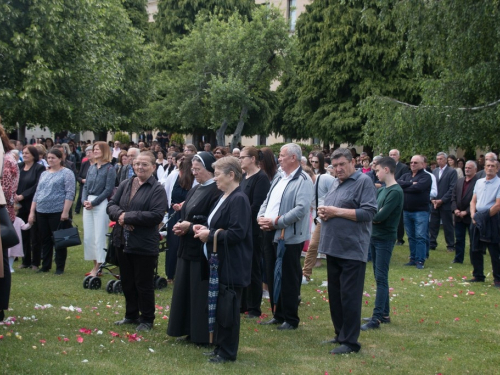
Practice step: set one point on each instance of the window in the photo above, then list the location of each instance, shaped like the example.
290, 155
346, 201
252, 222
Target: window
292, 13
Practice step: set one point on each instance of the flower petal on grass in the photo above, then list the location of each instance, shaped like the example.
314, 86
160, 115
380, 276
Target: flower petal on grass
79, 339
114, 334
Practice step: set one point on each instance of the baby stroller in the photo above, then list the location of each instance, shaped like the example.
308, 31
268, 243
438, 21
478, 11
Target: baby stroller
111, 265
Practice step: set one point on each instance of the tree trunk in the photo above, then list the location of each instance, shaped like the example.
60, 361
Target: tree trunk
221, 133
21, 131
239, 127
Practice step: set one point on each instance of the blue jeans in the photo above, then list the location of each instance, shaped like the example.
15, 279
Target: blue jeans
417, 230
461, 231
381, 251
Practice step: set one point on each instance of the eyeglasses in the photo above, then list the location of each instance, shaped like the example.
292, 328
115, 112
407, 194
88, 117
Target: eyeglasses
143, 165
218, 153
195, 170
243, 157
414, 162
314, 161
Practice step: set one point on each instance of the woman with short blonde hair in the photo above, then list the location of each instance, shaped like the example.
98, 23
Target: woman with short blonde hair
98, 187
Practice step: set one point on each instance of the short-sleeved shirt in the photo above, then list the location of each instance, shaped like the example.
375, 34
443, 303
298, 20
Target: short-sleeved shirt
487, 192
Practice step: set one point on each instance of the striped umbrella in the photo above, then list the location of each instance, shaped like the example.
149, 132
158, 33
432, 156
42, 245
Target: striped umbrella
213, 288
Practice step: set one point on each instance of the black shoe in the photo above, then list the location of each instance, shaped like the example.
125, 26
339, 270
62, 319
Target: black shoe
400, 242
42, 270
286, 326
127, 321
383, 320
372, 324
58, 272
474, 280
420, 265
450, 249
252, 316
219, 359
331, 341
432, 248
342, 349
183, 338
272, 321
456, 261
411, 263
144, 327
210, 354
2, 315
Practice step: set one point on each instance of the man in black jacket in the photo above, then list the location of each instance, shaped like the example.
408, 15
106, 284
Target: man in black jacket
460, 205
416, 188
446, 178
401, 169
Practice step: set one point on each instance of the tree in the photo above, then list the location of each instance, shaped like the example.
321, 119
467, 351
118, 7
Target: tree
454, 51
349, 50
222, 74
175, 18
69, 65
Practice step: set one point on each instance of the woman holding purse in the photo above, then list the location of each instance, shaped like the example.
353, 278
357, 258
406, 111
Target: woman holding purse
232, 213
50, 208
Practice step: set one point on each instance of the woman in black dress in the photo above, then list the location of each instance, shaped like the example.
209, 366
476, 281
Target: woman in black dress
189, 313
29, 174
182, 185
255, 184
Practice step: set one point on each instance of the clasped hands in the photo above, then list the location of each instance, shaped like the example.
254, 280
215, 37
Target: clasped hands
201, 232
327, 212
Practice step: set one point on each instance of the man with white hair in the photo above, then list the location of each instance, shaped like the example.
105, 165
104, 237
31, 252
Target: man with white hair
236, 152
446, 178
492, 156
128, 171
460, 206
286, 210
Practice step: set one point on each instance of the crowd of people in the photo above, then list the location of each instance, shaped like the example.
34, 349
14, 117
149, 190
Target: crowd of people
251, 211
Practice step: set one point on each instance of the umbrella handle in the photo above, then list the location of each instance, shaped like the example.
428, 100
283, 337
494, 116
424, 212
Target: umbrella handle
282, 237
215, 239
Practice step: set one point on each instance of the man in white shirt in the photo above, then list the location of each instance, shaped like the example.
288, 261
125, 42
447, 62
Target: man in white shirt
116, 150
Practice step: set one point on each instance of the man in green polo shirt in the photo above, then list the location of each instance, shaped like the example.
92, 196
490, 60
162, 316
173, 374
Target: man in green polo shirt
384, 235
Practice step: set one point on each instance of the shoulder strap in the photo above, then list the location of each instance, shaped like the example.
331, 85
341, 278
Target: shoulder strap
317, 198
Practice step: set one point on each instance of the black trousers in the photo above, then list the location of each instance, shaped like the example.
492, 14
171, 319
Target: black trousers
401, 228
78, 206
287, 305
477, 260
31, 254
137, 276
346, 279
446, 216
47, 224
5, 282
252, 294
227, 339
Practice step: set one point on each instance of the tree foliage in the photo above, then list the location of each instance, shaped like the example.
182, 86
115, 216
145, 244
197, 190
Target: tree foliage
221, 74
349, 50
454, 49
70, 65
175, 18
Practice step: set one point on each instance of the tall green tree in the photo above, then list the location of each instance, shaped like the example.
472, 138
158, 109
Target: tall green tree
453, 48
175, 18
349, 50
222, 74
69, 65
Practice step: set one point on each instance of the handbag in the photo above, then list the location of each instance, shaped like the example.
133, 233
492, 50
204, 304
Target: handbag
8, 233
227, 307
66, 237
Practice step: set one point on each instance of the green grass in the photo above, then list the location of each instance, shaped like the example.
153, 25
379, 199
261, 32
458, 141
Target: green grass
436, 328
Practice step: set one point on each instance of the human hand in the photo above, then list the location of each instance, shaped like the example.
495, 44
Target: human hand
180, 229
64, 216
202, 234
121, 219
265, 223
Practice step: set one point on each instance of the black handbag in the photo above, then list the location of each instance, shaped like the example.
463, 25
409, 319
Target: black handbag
227, 309
66, 237
9, 235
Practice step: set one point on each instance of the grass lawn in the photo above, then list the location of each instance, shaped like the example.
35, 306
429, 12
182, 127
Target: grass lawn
440, 324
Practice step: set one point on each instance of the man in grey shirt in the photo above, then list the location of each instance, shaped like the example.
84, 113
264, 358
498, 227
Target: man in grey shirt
347, 217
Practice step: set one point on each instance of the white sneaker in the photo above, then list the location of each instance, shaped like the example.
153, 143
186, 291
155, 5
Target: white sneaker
304, 280
11, 270
265, 294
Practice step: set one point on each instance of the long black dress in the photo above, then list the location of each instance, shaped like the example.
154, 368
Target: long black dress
189, 313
